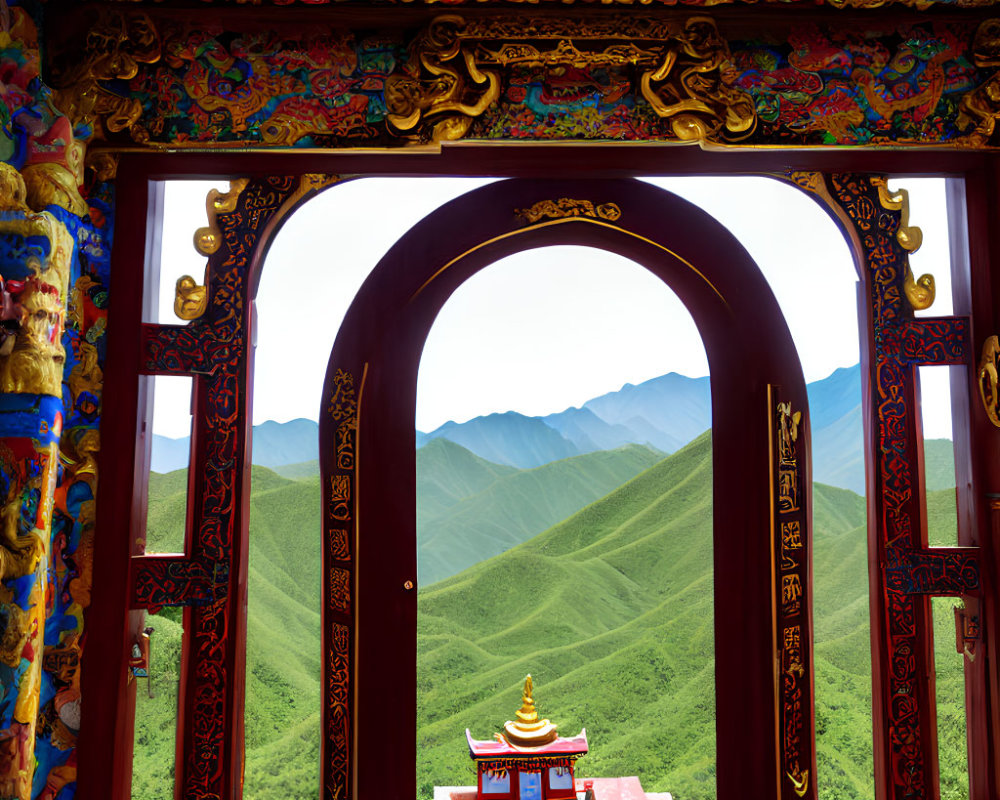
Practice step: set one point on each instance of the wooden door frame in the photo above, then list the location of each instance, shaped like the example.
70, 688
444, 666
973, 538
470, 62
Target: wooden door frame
372, 491
105, 769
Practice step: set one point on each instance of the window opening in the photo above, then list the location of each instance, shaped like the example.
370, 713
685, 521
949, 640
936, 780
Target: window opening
154, 667
184, 212
939, 456
170, 455
759, 251
565, 523
949, 668
778, 225
282, 704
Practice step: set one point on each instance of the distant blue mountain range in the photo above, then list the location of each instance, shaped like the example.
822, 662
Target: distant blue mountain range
664, 413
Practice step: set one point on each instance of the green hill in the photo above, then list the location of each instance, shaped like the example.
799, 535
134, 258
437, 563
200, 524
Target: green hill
611, 613
283, 651
469, 509
610, 610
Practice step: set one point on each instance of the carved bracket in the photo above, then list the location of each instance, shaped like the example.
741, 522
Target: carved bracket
680, 69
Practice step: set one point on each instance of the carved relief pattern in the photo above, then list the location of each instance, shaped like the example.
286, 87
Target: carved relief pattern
176, 582
342, 408
338, 728
792, 624
900, 343
613, 78
340, 589
566, 207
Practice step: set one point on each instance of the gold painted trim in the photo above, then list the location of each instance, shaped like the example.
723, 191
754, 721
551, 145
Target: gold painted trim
775, 649
355, 633
568, 207
548, 223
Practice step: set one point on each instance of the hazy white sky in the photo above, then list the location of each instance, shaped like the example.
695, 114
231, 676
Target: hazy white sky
544, 329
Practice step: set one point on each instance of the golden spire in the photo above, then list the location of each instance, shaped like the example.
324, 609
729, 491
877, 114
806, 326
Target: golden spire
528, 730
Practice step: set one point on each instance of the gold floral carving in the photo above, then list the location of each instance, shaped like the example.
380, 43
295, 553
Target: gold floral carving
681, 70
566, 207
115, 46
920, 292
989, 383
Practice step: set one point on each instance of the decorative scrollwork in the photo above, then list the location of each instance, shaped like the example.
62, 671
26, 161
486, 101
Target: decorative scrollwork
566, 207
680, 70
691, 87
989, 382
208, 238
456, 91
921, 291
191, 297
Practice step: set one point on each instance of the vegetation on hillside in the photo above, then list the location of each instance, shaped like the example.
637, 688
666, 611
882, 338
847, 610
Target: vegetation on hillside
610, 610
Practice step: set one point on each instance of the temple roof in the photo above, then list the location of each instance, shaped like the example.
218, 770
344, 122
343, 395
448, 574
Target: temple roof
501, 748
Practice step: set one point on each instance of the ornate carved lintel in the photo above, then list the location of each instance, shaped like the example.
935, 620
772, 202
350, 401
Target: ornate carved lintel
680, 68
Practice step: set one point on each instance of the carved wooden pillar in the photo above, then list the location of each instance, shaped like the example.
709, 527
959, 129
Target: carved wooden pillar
904, 571
35, 255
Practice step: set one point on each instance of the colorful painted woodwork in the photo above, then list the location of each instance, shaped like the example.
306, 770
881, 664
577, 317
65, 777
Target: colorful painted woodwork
612, 77
529, 760
147, 77
35, 255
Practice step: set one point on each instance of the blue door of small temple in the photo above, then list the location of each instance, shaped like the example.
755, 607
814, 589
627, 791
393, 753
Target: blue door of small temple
531, 786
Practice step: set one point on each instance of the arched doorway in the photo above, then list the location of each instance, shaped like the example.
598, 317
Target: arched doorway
760, 460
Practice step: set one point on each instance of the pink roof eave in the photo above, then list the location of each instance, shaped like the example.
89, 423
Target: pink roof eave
501, 748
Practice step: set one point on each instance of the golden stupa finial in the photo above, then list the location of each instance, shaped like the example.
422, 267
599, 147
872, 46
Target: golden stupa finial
528, 730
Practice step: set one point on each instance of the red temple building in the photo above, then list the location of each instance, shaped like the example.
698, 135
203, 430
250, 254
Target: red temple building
529, 760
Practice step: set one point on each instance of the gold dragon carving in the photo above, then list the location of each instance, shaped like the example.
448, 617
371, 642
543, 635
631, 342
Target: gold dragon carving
682, 69
116, 44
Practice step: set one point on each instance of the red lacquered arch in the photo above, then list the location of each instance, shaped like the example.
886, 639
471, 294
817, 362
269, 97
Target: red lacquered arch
368, 459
